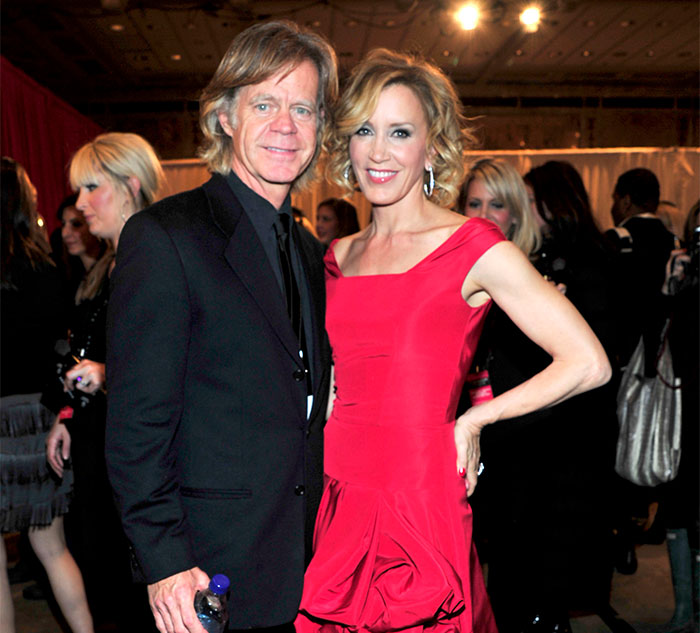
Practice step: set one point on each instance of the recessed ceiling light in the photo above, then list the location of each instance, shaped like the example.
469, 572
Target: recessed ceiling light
176, 57
468, 16
350, 23
586, 53
389, 22
519, 53
314, 23
117, 28
530, 19
625, 23
589, 23
446, 53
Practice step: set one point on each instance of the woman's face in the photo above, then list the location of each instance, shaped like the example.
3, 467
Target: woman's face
388, 152
326, 224
75, 234
105, 206
481, 203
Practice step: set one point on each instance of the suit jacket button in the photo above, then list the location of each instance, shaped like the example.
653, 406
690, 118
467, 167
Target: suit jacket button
299, 491
299, 375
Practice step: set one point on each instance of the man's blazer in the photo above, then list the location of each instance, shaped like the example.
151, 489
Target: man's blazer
210, 453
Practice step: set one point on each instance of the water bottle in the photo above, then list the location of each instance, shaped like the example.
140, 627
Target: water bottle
211, 605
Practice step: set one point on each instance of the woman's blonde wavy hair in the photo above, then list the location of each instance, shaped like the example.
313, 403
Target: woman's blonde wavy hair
255, 55
448, 134
119, 156
504, 183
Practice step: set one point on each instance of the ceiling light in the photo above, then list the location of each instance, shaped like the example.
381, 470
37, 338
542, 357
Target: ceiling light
589, 23
530, 19
586, 53
519, 53
468, 16
624, 24
446, 53
117, 28
176, 57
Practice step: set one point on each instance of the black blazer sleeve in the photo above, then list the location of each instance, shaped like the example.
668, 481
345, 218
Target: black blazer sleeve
147, 350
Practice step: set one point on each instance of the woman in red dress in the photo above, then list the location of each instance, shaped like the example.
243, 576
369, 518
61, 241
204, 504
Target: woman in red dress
407, 297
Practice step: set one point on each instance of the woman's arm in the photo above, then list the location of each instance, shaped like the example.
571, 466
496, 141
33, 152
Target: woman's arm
579, 362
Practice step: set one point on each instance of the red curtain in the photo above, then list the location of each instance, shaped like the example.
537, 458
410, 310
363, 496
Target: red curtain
41, 132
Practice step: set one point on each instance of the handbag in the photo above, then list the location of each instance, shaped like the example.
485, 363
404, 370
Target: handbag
649, 415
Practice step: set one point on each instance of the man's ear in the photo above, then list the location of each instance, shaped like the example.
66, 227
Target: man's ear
225, 122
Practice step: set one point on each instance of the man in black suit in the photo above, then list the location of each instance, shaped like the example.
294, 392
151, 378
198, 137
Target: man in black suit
218, 364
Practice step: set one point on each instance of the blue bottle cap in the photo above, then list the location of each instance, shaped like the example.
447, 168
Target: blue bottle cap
219, 584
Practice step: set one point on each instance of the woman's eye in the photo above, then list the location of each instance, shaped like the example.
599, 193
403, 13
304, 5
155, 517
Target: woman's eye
473, 204
91, 187
495, 204
363, 131
402, 133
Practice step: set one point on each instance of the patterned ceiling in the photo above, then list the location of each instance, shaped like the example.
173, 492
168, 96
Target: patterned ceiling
138, 52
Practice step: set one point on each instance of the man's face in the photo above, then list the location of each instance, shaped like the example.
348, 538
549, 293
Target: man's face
273, 128
619, 207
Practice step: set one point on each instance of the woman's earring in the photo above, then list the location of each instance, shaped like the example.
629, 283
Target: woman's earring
346, 173
430, 185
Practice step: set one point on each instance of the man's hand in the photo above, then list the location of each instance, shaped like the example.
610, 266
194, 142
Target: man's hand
172, 601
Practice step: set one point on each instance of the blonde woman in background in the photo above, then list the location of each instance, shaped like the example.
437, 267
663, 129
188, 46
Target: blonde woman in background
116, 175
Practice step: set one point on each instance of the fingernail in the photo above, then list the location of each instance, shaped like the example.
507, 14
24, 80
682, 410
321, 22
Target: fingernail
462, 472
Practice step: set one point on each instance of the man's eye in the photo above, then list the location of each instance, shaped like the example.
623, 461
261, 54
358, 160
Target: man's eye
262, 107
303, 112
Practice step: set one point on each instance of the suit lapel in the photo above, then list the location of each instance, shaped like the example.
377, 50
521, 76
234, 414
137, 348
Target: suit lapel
246, 256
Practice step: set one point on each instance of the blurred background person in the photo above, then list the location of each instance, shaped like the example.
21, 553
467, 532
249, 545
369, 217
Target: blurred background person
679, 507
78, 249
493, 189
116, 175
32, 320
541, 518
335, 218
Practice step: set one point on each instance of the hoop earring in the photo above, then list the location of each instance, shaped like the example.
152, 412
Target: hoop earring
346, 173
430, 185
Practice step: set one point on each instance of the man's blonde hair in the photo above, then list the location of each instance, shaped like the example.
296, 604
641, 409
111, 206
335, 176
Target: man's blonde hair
255, 55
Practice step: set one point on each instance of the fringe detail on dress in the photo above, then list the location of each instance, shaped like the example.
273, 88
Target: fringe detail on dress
24, 415
37, 515
32, 495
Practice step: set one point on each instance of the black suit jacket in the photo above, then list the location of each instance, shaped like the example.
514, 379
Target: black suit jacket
210, 453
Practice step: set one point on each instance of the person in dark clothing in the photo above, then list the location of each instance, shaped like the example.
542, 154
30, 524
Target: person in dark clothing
32, 319
546, 519
643, 246
679, 505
